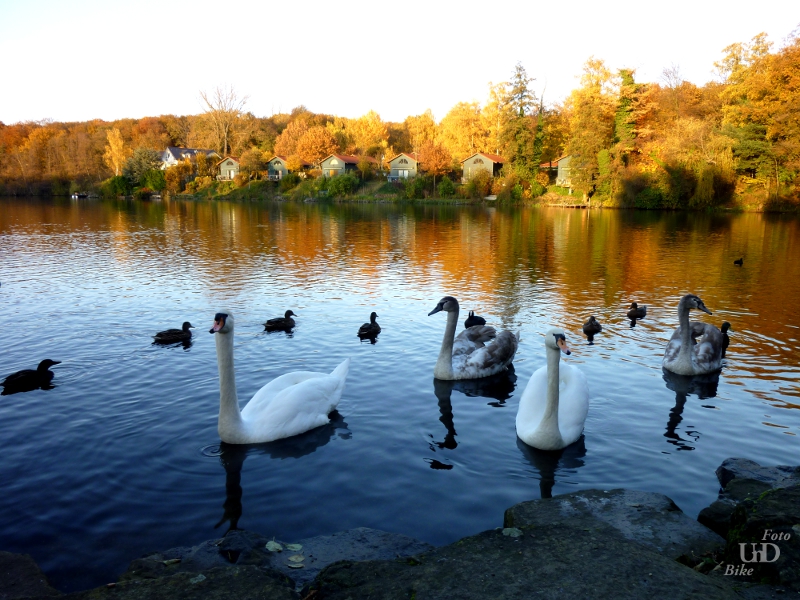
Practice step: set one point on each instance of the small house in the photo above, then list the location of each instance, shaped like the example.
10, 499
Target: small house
403, 166
481, 161
558, 170
174, 154
228, 167
277, 168
337, 164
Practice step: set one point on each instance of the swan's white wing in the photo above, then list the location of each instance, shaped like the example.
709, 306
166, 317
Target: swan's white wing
292, 404
573, 402
532, 405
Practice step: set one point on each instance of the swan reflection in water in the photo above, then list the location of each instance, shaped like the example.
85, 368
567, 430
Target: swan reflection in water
702, 386
498, 388
548, 463
232, 456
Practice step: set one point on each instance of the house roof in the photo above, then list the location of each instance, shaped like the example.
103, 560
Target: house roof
285, 158
411, 155
554, 163
178, 153
491, 157
233, 158
351, 160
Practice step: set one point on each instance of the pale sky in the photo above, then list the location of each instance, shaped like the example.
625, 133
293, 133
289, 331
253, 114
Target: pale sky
110, 59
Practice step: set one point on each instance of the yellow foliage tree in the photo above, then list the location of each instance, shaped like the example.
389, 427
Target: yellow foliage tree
316, 144
116, 153
462, 131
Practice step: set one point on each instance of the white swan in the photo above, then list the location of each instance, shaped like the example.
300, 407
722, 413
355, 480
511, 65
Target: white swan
555, 402
467, 356
289, 405
682, 355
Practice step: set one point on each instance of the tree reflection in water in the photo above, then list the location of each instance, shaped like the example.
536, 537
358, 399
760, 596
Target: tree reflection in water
498, 387
232, 457
548, 463
702, 386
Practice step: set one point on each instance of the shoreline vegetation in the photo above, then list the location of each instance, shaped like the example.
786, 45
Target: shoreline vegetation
614, 142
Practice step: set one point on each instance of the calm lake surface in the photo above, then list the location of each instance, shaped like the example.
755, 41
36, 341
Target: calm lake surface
122, 456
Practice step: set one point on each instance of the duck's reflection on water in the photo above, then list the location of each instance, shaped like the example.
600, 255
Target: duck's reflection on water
548, 463
702, 386
232, 456
498, 388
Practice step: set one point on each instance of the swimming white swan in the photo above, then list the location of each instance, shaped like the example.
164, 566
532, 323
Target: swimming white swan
684, 357
555, 402
289, 405
467, 356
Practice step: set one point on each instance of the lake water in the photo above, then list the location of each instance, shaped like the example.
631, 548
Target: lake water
122, 456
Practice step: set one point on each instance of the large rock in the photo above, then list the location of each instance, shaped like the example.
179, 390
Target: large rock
21, 577
218, 583
740, 480
742, 468
773, 519
582, 557
648, 518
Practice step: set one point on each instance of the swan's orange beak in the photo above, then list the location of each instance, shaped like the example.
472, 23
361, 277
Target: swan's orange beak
562, 343
218, 324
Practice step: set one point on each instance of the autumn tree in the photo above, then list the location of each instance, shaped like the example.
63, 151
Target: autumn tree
223, 109
591, 110
315, 144
494, 116
369, 133
435, 159
252, 161
461, 131
519, 133
420, 129
286, 144
116, 153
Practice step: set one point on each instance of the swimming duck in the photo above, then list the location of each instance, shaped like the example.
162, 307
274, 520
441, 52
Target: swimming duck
288, 405
30, 379
467, 356
473, 320
279, 323
739, 261
725, 339
370, 329
636, 311
170, 336
553, 408
685, 357
592, 326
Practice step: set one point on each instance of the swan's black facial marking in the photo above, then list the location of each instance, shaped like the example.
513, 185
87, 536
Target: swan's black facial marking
219, 322
438, 308
561, 342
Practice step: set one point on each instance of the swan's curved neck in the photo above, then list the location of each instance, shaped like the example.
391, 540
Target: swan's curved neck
444, 365
548, 427
686, 332
229, 416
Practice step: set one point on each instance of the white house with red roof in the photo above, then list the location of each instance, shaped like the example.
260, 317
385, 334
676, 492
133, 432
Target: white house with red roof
481, 161
277, 168
338, 164
403, 166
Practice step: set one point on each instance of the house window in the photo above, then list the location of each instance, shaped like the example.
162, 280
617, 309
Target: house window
403, 161
477, 161
334, 162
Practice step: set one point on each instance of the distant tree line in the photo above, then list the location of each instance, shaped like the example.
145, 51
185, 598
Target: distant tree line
664, 144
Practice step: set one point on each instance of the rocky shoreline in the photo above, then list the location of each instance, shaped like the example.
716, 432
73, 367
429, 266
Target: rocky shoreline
588, 544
